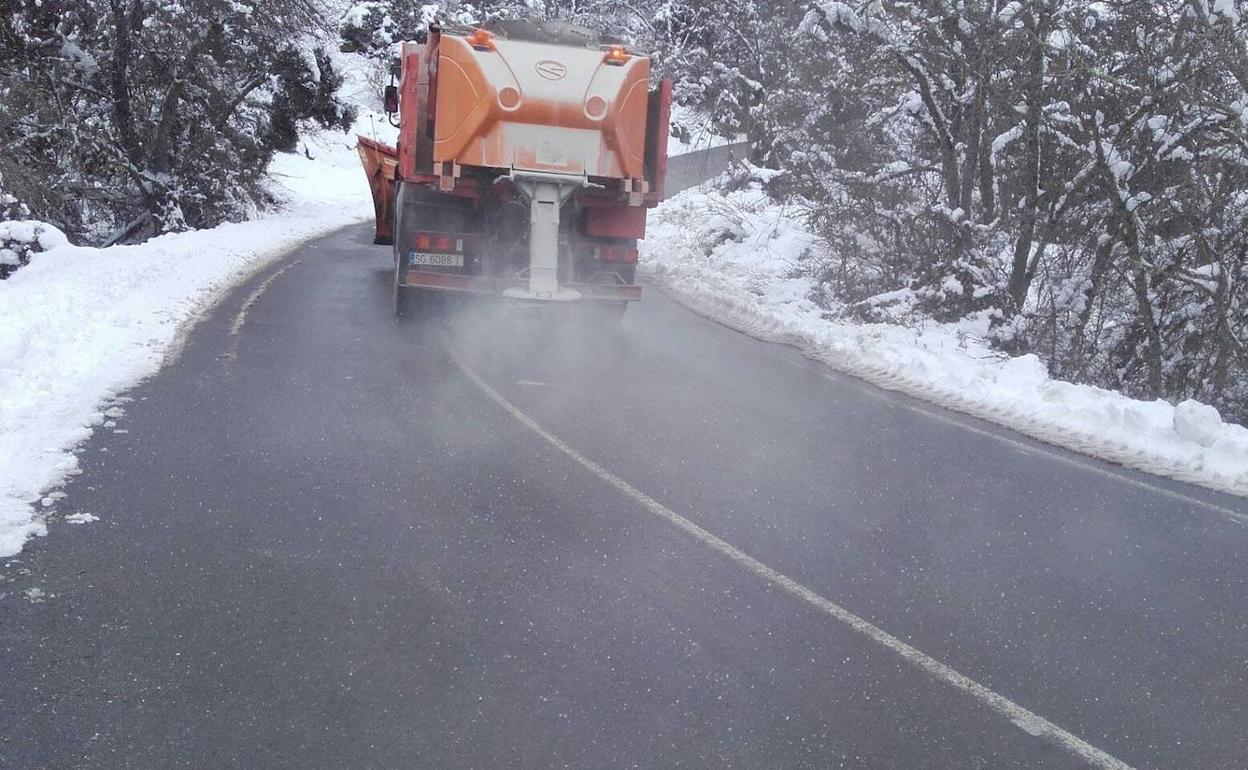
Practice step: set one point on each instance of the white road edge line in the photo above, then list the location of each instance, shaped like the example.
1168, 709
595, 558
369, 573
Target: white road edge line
241, 317
1053, 452
1028, 722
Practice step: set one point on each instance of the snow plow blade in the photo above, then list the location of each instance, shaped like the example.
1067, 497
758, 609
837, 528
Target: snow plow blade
381, 164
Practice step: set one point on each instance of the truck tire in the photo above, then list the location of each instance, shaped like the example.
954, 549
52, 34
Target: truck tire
400, 291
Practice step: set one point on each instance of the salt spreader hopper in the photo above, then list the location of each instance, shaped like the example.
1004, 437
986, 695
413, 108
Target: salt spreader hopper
528, 154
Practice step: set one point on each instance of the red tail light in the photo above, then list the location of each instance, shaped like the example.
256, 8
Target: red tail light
438, 242
615, 254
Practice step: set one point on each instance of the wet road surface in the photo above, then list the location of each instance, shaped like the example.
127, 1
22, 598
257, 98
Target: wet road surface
331, 540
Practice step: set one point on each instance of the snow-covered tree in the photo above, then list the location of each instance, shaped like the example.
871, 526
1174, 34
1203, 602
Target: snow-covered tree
145, 116
1075, 169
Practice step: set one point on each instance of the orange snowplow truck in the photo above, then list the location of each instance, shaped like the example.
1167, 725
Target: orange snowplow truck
528, 153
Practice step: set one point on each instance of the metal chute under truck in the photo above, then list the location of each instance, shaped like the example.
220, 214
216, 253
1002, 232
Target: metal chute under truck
528, 154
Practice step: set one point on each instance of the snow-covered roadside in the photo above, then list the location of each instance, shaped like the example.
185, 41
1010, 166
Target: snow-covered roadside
78, 326
732, 256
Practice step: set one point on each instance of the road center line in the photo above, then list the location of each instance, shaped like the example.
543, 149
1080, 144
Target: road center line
1028, 722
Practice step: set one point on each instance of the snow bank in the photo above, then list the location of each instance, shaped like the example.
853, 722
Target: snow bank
78, 326
733, 258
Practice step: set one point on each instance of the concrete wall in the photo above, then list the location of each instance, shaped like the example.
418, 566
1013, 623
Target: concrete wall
694, 168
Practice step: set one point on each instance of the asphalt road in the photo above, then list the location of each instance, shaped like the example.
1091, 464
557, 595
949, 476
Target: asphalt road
492, 539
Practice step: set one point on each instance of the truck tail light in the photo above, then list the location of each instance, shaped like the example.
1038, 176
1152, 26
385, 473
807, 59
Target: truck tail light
438, 242
615, 254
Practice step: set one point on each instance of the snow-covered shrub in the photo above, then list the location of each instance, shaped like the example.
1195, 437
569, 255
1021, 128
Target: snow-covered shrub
305, 92
14, 251
372, 27
21, 239
10, 206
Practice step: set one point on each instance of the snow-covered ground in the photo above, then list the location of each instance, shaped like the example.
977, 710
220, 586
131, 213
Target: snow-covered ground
78, 326
732, 257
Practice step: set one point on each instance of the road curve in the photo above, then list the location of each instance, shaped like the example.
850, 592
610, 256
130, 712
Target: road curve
493, 538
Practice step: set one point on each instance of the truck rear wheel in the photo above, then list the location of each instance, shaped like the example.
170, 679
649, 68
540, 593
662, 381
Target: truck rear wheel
408, 300
400, 291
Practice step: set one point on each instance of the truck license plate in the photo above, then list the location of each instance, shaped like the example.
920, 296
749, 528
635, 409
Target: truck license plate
435, 260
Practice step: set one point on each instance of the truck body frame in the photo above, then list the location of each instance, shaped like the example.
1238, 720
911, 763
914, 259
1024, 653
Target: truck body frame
526, 161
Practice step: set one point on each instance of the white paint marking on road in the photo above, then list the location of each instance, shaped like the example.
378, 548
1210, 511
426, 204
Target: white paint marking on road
241, 317
1066, 456
1028, 722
